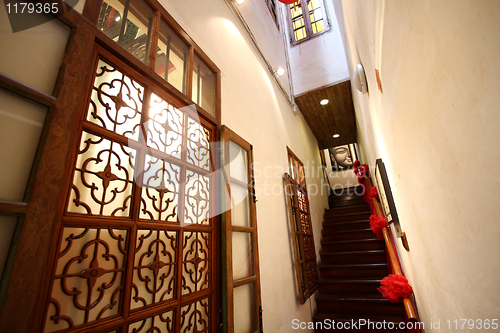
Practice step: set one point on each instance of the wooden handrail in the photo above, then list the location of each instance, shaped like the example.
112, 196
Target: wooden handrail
411, 314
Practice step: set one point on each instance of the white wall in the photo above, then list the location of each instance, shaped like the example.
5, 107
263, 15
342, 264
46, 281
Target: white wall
320, 61
254, 107
437, 128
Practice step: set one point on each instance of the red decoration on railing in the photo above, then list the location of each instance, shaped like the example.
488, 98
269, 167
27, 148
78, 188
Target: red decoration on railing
362, 171
376, 224
374, 192
395, 288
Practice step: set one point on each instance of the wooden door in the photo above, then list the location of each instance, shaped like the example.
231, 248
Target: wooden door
242, 308
306, 267
135, 249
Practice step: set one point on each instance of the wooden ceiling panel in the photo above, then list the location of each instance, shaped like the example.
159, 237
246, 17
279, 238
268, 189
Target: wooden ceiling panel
337, 117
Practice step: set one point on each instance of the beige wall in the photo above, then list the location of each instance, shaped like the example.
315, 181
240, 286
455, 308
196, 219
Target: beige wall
254, 107
320, 61
437, 128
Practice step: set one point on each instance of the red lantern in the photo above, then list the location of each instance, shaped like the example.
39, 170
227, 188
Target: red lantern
288, 2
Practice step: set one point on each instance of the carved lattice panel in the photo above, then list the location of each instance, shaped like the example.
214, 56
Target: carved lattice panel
195, 262
103, 178
154, 268
197, 198
162, 323
309, 251
160, 190
87, 285
165, 127
195, 317
126, 257
302, 200
312, 273
198, 145
116, 101
305, 223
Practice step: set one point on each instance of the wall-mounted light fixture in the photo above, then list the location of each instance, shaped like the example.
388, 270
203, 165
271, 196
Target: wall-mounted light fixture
359, 79
279, 71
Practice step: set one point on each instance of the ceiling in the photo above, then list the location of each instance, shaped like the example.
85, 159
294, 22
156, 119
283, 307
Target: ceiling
336, 117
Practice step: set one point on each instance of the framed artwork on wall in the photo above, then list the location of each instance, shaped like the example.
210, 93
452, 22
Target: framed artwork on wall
342, 157
385, 194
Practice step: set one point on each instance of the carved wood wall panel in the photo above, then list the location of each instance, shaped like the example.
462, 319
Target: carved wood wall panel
136, 242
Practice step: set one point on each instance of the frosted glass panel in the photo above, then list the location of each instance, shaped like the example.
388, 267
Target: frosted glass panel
242, 255
203, 85
240, 205
32, 56
7, 228
238, 158
244, 308
21, 124
172, 57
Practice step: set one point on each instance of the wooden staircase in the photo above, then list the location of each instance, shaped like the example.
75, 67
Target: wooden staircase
352, 264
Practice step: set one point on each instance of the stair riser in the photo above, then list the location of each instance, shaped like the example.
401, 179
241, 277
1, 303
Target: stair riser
354, 246
334, 227
360, 307
352, 235
346, 289
368, 272
362, 258
348, 217
347, 210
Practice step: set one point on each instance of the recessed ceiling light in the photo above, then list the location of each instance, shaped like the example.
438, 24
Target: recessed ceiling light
324, 102
239, 2
336, 135
279, 71
117, 18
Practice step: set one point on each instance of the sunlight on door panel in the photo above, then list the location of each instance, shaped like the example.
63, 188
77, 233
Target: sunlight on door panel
244, 305
88, 280
160, 190
154, 268
103, 179
240, 205
195, 262
198, 145
165, 127
238, 162
242, 255
116, 102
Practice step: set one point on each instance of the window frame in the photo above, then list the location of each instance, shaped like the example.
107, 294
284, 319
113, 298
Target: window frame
307, 23
92, 12
273, 10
